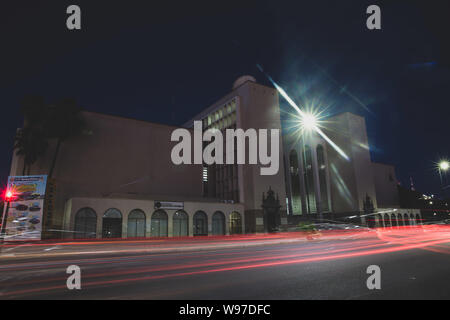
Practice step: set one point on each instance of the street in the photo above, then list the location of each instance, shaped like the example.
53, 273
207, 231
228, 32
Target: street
414, 264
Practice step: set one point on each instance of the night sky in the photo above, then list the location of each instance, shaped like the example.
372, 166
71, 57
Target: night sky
165, 64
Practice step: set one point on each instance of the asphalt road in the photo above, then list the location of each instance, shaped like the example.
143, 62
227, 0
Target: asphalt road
414, 263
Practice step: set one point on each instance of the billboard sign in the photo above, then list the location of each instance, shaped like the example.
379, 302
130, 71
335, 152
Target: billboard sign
24, 216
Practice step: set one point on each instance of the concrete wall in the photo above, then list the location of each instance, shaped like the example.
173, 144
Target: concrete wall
385, 185
259, 109
116, 155
350, 179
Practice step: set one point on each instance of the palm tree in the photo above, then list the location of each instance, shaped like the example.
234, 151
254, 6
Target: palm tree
31, 141
63, 120
59, 121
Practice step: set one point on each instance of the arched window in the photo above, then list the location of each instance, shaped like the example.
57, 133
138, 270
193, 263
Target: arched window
411, 216
200, 224
85, 224
400, 220
136, 224
387, 221
418, 220
235, 223
371, 220
159, 224
218, 223
112, 224
322, 179
380, 221
394, 220
405, 219
180, 224
295, 183
309, 180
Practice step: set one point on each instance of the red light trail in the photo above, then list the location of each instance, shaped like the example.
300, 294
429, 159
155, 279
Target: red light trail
126, 269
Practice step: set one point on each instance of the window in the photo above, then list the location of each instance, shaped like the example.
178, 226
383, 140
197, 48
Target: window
387, 221
205, 174
200, 224
218, 223
309, 180
322, 179
400, 220
136, 224
405, 219
180, 224
159, 224
235, 223
295, 183
112, 224
394, 220
85, 224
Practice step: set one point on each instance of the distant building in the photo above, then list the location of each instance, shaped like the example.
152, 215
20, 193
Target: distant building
118, 180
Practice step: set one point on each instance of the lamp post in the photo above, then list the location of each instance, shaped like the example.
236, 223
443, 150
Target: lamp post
443, 166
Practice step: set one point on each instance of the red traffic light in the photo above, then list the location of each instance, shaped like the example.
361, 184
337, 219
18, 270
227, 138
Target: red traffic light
8, 195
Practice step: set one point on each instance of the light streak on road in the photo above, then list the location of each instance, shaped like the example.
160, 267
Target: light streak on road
128, 269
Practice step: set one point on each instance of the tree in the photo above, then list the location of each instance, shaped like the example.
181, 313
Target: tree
42, 122
31, 140
63, 120
31, 143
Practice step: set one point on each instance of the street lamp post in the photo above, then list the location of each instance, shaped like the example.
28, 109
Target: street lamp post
443, 166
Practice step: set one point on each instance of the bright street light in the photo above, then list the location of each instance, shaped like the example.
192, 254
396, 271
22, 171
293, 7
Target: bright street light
308, 121
444, 165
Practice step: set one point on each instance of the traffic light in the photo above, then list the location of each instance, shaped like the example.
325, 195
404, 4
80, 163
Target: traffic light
8, 195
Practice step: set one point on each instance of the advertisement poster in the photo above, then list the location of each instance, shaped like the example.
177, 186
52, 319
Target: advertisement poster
24, 216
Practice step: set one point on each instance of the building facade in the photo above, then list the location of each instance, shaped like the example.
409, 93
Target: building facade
117, 179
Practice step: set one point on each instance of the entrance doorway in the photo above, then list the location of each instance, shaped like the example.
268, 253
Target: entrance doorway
218, 223
200, 224
112, 224
159, 224
235, 223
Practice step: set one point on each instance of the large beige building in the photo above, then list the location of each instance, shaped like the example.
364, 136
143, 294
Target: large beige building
117, 179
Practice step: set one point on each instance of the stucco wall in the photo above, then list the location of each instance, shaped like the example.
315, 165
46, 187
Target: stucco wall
117, 155
125, 206
385, 185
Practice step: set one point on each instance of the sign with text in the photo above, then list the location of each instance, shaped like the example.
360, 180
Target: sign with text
170, 205
24, 216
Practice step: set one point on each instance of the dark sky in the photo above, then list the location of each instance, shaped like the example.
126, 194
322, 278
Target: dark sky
166, 63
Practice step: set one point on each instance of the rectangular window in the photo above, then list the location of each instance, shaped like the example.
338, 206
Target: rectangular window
205, 174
